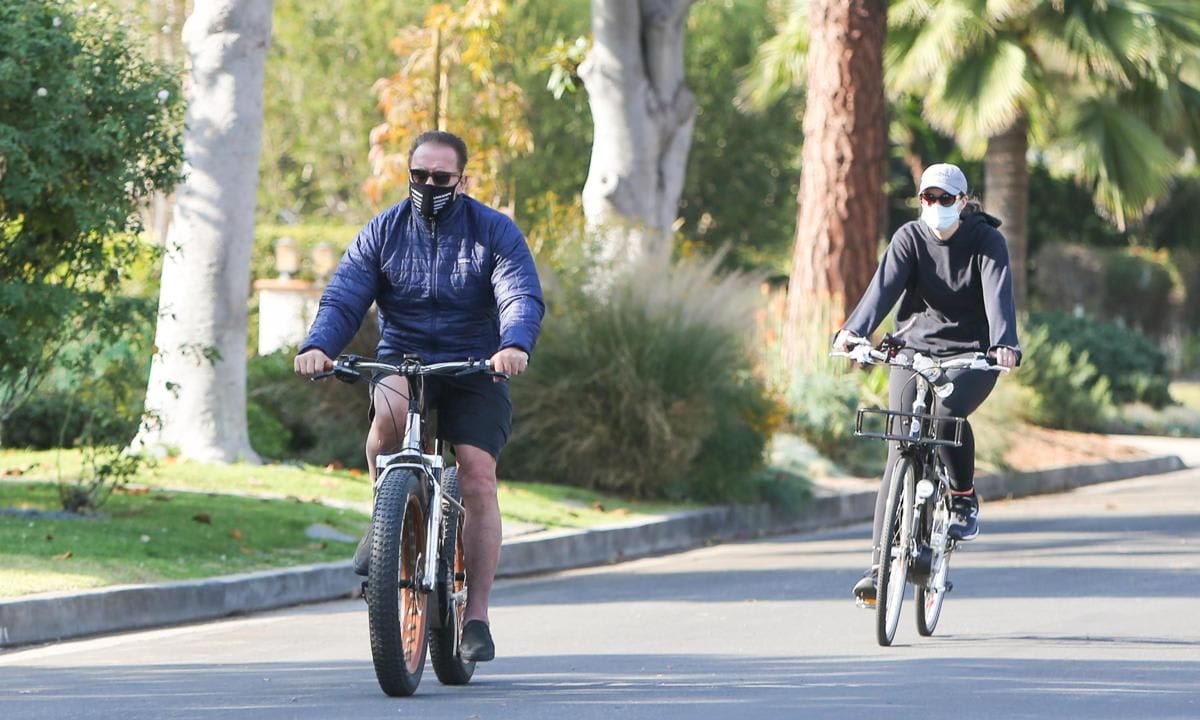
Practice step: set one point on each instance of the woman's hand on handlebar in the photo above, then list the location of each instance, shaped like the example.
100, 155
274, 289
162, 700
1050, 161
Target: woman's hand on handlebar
845, 340
311, 363
1005, 357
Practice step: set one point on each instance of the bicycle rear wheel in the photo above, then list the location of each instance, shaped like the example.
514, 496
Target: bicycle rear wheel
932, 593
396, 604
895, 550
451, 591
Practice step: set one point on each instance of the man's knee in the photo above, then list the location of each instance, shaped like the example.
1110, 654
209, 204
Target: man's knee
476, 473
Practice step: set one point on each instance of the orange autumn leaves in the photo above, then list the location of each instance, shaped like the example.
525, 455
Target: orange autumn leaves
452, 77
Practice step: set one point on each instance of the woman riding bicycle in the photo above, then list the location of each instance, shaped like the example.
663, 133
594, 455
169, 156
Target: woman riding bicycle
951, 275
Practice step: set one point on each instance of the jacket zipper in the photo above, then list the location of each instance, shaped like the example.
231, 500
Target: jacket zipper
434, 282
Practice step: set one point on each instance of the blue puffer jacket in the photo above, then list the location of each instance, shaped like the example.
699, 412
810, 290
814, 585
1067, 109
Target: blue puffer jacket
461, 288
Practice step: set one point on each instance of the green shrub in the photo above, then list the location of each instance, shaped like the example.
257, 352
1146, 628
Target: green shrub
1135, 368
1069, 392
90, 128
822, 408
644, 389
269, 437
1138, 286
96, 392
318, 422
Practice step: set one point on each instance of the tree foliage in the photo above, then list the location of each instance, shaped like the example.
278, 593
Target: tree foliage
324, 57
454, 76
89, 128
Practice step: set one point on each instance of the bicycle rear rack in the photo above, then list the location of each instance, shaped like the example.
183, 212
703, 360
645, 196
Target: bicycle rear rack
930, 424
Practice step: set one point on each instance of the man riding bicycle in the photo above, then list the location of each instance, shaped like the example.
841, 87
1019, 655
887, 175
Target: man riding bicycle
453, 280
950, 273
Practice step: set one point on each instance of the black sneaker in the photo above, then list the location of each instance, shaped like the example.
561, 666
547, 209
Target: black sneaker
362, 554
476, 644
964, 517
864, 589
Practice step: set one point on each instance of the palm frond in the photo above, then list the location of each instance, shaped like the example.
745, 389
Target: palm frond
779, 65
1118, 156
983, 93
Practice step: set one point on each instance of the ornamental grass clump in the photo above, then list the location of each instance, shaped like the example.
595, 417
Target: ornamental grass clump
644, 388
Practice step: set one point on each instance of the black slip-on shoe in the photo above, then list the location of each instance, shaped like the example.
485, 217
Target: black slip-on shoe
476, 644
362, 554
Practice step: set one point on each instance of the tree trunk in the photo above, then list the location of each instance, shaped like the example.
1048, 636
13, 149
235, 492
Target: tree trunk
841, 183
643, 114
1006, 183
196, 399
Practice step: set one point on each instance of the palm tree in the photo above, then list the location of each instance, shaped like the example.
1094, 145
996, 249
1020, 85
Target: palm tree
1109, 91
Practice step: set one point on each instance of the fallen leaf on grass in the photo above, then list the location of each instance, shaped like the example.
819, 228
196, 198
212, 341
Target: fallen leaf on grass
598, 506
235, 534
13, 472
334, 466
49, 538
132, 489
63, 556
203, 518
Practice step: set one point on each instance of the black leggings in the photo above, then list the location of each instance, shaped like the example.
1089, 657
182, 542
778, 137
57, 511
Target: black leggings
971, 388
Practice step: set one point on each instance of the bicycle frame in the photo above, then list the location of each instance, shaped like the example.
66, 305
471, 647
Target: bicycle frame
412, 455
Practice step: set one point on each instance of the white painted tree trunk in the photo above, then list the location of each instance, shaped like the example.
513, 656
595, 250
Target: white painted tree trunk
196, 398
643, 114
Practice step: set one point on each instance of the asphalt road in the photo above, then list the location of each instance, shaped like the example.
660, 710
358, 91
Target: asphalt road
1084, 605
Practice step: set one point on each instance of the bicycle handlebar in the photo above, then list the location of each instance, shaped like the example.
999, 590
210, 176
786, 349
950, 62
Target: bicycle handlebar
864, 354
349, 368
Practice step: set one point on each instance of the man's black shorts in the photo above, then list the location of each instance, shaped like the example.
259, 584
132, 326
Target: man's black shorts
471, 410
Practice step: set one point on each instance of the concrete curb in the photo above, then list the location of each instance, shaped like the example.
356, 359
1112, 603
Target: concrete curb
59, 616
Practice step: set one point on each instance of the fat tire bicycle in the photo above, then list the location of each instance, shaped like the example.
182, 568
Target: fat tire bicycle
417, 558
915, 545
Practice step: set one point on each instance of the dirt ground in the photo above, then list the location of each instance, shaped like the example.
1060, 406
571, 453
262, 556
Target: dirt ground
1036, 448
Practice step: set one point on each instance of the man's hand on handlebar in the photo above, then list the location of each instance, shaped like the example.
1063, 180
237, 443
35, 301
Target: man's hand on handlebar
311, 363
510, 361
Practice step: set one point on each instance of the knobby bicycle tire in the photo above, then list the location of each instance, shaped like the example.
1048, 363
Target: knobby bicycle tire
397, 607
894, 552
451, 591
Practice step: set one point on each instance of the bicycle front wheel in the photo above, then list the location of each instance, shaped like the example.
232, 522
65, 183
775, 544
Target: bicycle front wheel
446, 637
396, 604
895, 549
932, 593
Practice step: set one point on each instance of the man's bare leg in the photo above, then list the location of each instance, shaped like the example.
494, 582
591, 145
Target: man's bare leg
481, 526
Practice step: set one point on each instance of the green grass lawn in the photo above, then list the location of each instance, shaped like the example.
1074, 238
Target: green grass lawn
256, 519
158, 536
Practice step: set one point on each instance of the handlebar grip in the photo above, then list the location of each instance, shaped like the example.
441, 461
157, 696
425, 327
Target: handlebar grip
341, 373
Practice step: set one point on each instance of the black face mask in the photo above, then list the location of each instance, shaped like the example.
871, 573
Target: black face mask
432, 201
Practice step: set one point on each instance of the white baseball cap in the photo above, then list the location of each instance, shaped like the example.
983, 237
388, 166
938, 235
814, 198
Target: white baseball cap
945, 177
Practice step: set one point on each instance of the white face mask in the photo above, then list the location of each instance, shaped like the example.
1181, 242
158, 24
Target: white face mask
939, 218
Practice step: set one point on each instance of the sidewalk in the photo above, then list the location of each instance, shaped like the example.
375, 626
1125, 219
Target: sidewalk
838, 501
